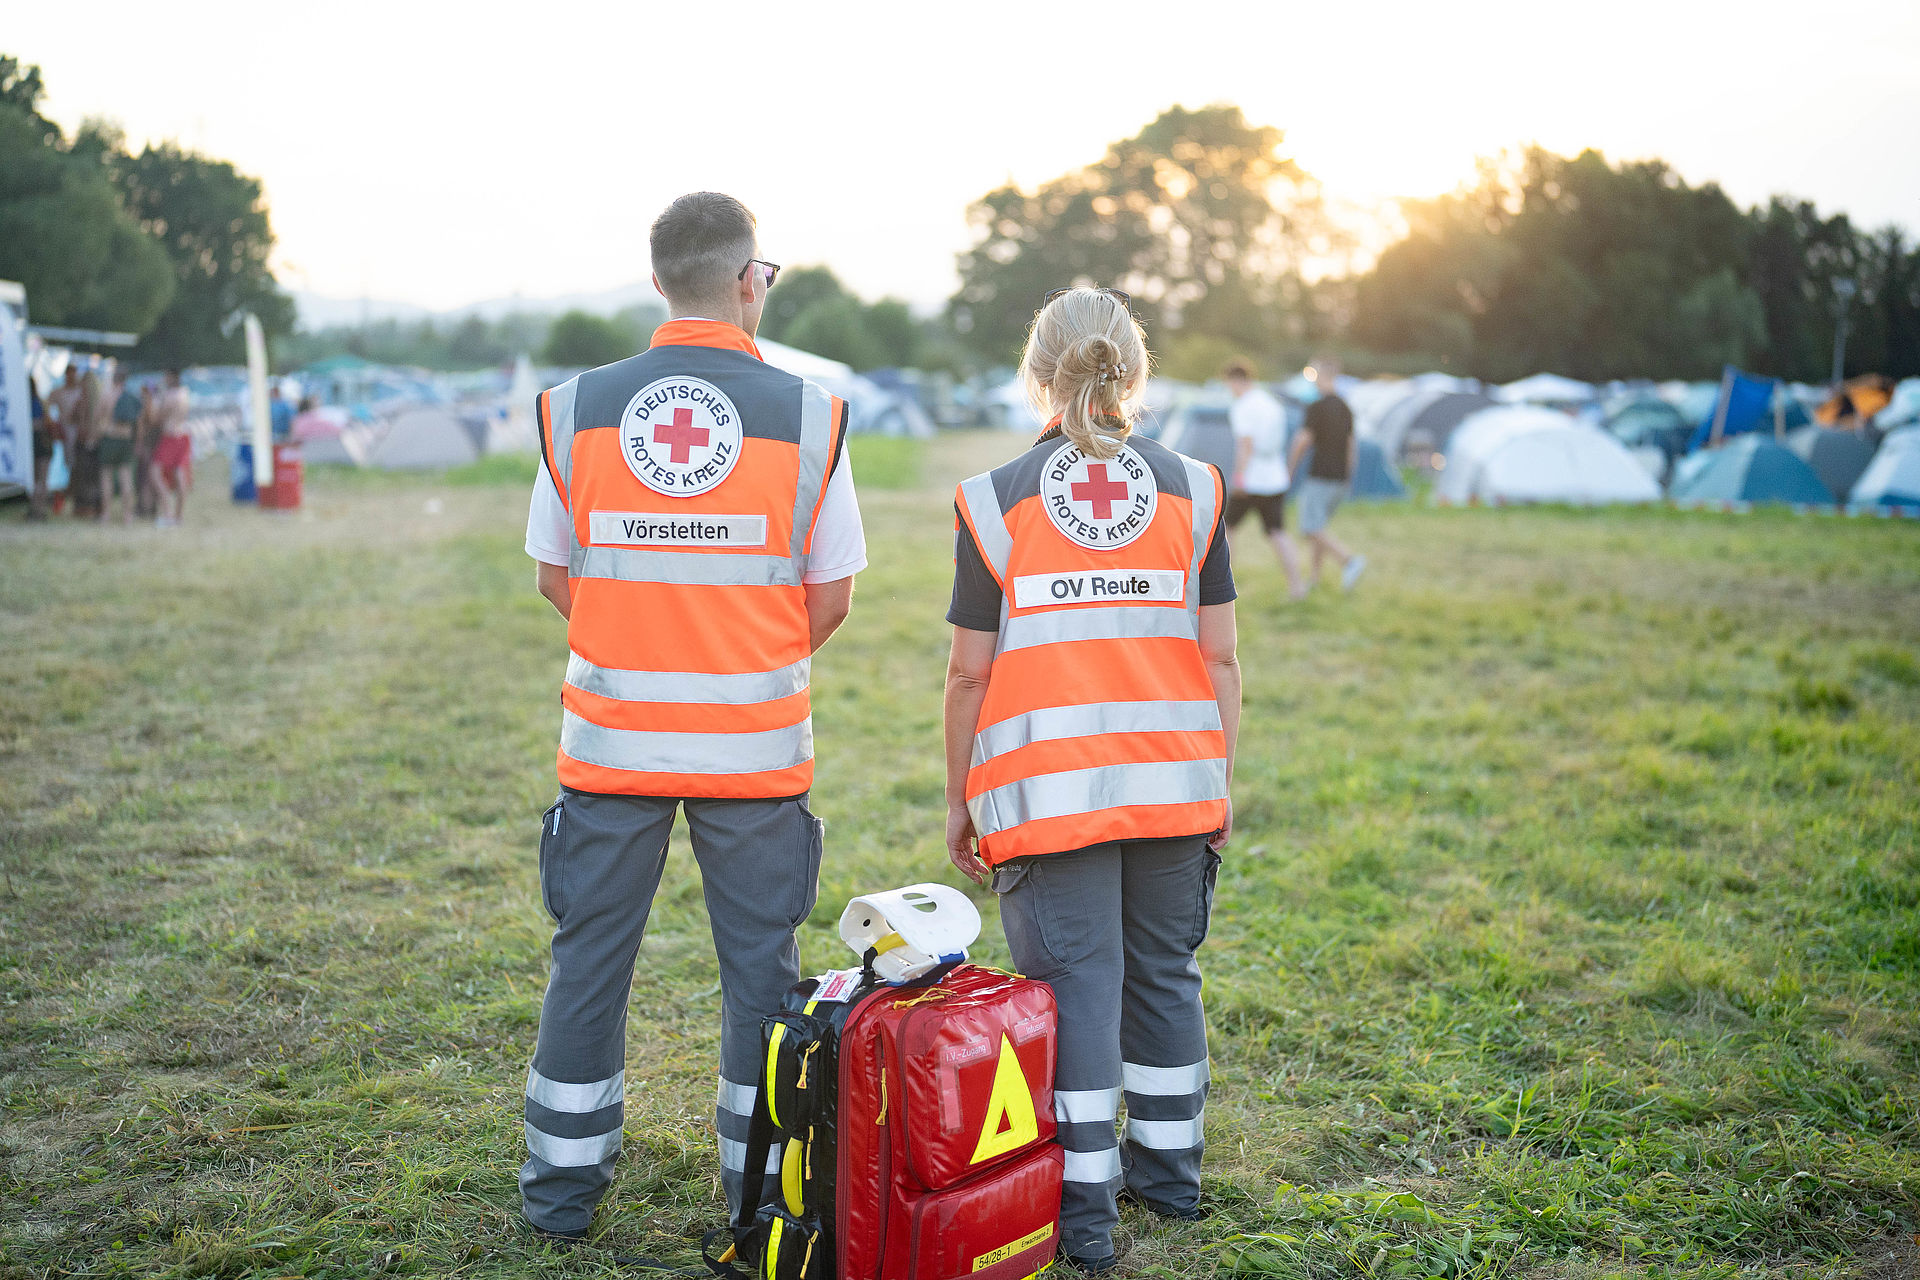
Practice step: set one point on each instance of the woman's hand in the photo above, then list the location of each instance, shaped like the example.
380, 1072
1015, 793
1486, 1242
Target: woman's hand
1218, 840
960, 845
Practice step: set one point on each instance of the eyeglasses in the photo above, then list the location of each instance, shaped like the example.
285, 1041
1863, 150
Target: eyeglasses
1124, 299
772, 270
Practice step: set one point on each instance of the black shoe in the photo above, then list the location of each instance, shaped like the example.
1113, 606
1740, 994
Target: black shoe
560, 1239
1100, 1266
1195, 1212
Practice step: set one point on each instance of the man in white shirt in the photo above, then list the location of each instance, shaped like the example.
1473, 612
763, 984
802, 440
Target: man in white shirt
694, 521
1259, 480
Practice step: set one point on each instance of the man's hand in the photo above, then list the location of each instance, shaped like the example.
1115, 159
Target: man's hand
1218, 840
960, 846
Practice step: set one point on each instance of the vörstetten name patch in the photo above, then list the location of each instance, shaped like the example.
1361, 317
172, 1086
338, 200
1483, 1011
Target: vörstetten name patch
647, 529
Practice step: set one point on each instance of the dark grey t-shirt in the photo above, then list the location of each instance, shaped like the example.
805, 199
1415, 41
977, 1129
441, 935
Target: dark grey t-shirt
976, 596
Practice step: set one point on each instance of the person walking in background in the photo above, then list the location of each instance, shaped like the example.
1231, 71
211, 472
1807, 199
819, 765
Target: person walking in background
1092, 704
116, 447
691, 637
172, 451
63, 408
83, 445
145, 435
1259, 481
1328, 431
45, 432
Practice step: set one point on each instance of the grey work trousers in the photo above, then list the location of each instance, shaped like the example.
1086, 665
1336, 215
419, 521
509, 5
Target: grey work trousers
601, 858
1113, 929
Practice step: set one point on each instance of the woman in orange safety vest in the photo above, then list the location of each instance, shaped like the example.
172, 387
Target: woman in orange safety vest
1092, 703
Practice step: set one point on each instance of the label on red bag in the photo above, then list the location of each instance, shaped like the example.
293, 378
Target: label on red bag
994, 1257
836, 985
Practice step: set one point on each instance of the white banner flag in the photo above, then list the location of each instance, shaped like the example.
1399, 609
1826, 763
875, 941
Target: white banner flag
16, 411
258, 402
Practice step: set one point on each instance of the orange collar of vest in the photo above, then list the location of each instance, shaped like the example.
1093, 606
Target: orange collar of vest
1053, 427
705, 333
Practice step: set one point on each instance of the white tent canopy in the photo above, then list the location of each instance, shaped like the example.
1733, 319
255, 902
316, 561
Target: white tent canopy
1893, 477
1546, 388
1525, 454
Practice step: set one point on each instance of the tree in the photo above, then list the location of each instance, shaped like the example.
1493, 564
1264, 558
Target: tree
21, 88
836, 328
63, 233
1198, 216
212, 220
582, 340
1572, 265
797, 290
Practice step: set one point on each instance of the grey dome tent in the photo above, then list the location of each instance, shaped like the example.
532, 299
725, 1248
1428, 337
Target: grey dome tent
1422, 424
1839, 458
1892, 480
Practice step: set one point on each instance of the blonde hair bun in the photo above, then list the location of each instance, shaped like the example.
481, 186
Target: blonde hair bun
1086, 360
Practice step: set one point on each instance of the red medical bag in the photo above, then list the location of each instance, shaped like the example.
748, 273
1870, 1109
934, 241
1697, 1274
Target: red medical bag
916, 1131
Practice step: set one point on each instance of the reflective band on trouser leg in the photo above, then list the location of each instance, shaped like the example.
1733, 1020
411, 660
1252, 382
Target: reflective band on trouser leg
1118, 622
1163, 1029
732, 1116
612, 849
1077, 791
1083, 720
688, 686
643, 751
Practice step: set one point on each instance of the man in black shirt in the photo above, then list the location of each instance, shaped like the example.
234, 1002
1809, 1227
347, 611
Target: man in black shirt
1328, 431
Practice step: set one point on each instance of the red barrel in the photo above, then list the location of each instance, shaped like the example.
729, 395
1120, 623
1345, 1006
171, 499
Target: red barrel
288, 472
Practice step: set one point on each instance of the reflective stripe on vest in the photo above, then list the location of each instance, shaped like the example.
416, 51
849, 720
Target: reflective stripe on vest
688, 668
1100, 721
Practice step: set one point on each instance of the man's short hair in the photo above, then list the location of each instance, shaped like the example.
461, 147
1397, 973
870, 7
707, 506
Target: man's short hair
1237, 370
700, 244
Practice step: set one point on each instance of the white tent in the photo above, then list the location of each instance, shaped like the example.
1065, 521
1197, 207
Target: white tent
1526, 454
870, 408
1892, 479
1546, 388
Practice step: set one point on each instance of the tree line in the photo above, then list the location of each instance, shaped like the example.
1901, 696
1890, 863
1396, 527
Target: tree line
1579, 265
1576, 265
166, 243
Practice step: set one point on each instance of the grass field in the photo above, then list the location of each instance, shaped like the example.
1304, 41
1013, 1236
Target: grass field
1572, 927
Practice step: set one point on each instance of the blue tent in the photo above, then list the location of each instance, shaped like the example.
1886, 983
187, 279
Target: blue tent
1754, 468
1374, 479
1745, 403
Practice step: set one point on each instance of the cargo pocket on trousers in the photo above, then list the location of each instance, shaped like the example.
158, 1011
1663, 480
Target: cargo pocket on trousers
1203, 914
816, 838
1020, 917
550, 857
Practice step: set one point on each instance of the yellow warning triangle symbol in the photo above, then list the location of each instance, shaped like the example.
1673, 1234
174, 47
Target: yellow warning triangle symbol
1010, 1119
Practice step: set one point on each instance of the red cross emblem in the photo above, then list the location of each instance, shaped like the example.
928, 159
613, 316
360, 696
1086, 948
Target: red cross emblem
681, 436
1100, 491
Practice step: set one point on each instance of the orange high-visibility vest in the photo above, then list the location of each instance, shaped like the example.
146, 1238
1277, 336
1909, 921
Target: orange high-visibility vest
693, 474
1100, 721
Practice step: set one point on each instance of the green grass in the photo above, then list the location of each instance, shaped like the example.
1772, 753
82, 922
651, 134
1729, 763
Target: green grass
1571, 929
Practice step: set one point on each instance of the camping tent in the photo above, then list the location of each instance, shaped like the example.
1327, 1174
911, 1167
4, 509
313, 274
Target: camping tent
1837, 457
1754, 468
1745, 403
869, 408
1420, 425
1892, 479
1527, 454
425, 437
1546, 389
1374, 478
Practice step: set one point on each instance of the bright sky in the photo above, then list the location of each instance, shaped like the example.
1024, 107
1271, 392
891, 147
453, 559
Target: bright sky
442, 154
